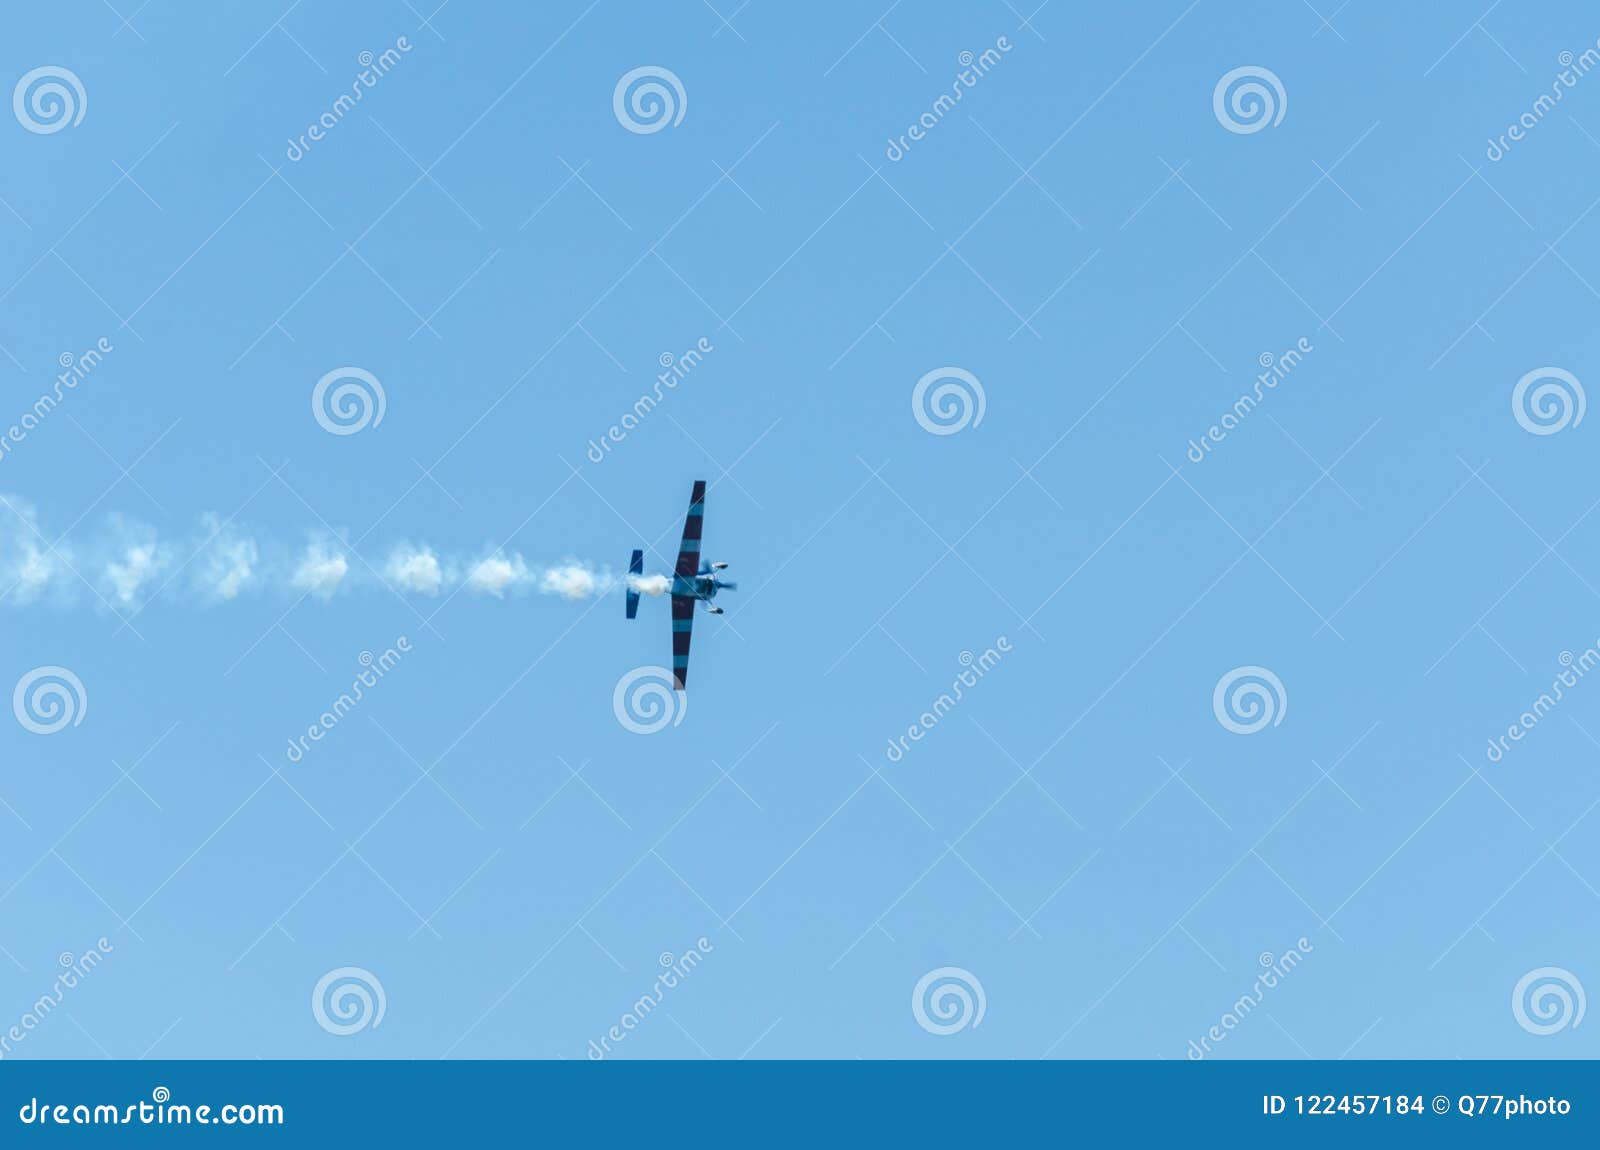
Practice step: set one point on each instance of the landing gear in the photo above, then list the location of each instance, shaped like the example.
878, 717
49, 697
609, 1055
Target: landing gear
714, 610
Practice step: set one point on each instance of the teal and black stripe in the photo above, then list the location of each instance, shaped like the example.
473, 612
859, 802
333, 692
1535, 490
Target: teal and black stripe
682, 625
689, 549
683, 596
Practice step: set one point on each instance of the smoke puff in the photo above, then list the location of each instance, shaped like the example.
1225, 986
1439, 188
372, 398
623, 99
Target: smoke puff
573, 580
415, 571
34, 572
321, 571
134, 567
492, 576
229, 564
26, 570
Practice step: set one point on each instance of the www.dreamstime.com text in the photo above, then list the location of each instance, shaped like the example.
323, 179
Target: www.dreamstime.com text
974, 669
675, 968
1276, 369
74, 370
373, 669
1573, 670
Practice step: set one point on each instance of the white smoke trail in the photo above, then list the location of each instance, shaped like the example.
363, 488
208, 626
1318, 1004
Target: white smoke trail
128, 564
650, 584
572, 579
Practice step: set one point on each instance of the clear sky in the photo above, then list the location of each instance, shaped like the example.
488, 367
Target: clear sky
1094, 239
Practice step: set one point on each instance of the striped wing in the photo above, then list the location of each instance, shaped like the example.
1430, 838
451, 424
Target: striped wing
682, 625
688, 567
689, 548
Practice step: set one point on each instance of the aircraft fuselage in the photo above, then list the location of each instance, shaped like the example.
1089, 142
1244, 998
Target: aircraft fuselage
697, 586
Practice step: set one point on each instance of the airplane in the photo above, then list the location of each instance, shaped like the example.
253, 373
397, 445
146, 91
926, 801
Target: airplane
691, 583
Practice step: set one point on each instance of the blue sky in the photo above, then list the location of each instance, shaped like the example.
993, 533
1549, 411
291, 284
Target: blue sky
1085, 241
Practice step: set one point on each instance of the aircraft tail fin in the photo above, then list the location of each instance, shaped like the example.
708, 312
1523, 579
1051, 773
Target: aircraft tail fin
635, 567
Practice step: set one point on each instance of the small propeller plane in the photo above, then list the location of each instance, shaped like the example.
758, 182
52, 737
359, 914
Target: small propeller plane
691, 583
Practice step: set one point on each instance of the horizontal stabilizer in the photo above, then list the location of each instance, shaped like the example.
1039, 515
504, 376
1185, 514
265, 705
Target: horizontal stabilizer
635, 567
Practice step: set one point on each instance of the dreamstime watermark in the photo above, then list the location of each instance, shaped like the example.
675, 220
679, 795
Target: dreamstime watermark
1548, 1000
1574, 669
74, 969
948, 400
373, 670
973, 69
48, 99
159, 1111
675, 968
1246, 699
373, 69
1275, 968
74, 370
1548, 400
947, 1000
347, 1000
46, 699
644, 700
1248, 99
648, 99
1276, 369
674, 370
348, 400
975, 668
1573, 69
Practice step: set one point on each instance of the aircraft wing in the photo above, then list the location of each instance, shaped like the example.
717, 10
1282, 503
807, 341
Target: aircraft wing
682, 625
688, 567
689, 548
